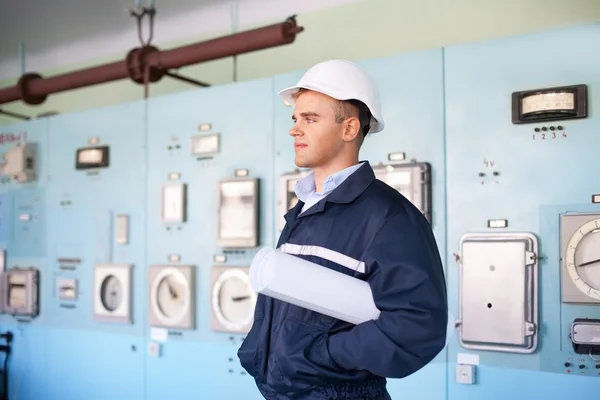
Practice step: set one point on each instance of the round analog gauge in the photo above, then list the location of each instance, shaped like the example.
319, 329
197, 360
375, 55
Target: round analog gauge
582, 258
111, 292
233, 299
172, 295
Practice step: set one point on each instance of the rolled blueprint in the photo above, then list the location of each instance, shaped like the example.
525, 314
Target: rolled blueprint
305, 284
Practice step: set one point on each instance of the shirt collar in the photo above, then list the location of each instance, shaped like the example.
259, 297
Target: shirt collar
306, 186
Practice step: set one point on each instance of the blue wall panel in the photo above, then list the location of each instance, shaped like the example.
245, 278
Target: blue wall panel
25, 245
541, 175
448, 107
29, 363
102, 365
78, 221
25, 238
198, 361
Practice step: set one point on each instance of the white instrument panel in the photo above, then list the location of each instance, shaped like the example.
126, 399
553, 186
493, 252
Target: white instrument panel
174, 203
238, 213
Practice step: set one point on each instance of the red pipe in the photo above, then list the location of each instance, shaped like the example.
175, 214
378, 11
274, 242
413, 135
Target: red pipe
33, 89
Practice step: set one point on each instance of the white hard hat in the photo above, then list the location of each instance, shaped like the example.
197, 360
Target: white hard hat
342, 80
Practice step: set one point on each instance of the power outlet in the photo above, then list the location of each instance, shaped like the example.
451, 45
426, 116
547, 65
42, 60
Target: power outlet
465, 374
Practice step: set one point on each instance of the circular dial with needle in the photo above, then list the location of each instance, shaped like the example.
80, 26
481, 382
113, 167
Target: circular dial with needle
234, 299
583, 258
171, 294
111, 292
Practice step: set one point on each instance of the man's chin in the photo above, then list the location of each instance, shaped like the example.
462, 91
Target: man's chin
301, 163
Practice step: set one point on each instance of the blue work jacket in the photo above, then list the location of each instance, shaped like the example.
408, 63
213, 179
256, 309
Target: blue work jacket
366, 229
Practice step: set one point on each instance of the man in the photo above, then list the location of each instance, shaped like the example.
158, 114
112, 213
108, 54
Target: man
350, 222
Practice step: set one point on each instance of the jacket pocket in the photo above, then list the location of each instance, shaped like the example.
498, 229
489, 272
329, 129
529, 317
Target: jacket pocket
301, 358
251, 350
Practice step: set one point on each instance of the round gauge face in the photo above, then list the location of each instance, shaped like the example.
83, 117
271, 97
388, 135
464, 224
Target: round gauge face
235, 299
171, 296
111, 293
582, 258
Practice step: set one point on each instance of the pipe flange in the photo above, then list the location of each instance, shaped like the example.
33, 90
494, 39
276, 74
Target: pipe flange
23, 86
136, 65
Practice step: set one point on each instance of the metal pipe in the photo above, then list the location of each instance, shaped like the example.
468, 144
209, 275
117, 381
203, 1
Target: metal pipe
42, 87
239, 43
34, 89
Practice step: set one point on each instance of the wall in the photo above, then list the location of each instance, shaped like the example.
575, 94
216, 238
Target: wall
449, 107
356, 30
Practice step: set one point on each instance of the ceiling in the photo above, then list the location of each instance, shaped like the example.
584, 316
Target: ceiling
44, 24
57, 34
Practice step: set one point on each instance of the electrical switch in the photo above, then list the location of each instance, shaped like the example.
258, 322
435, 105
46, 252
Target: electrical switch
465, 374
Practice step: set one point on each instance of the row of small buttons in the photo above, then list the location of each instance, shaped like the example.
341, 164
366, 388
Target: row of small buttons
581, 366
560, 128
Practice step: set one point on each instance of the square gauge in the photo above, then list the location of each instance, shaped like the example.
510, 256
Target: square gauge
92, 157
206, 145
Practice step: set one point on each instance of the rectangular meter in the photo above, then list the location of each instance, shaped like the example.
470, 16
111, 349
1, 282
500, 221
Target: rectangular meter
174, 203
205, 145
287, 196
92, 157
585, 335
412, 180
19, 163
21, 292
238, 213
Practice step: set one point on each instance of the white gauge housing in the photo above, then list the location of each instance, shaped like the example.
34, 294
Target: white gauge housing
112, 293
206, 145
238, 213
174, 203
232, 299
21, 292
172, 296
20, 163
412, 180
581, 258
498, 292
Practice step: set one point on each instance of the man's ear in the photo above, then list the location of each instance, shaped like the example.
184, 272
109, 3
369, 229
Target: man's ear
351, 129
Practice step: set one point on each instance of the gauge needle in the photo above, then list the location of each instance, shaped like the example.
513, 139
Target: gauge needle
589, 263
240, 298
173, 293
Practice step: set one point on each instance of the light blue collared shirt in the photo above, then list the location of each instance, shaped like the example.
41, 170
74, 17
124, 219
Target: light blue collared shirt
306, 189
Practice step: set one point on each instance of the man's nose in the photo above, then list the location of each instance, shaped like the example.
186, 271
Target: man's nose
294, 131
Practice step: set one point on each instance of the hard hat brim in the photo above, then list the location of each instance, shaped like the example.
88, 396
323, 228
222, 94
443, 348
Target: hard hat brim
288, 93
